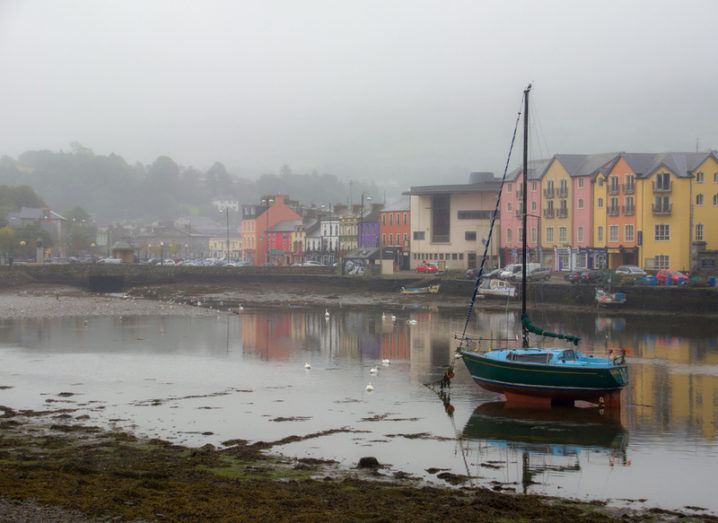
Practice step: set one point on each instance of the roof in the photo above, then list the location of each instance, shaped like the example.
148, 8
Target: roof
587, 164
492, 186
36, 213
367, 253
285, 226
536, 169
681, 164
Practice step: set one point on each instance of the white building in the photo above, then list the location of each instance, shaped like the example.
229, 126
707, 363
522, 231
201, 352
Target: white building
450, 223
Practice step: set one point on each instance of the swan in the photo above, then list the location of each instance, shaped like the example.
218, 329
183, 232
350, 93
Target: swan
369, 387
326, 313
307, 366
385, 362
412, 322
374, 371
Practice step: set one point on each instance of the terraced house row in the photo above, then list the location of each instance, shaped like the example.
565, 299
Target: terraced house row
655, 210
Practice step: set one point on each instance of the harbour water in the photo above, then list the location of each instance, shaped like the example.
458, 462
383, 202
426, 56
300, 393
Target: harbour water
196, 380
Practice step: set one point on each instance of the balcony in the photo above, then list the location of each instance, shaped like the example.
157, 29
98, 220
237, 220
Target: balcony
562, 213
662, 210
612, 211
629, 188
614, 189
548, 192
629, 210
563, 192
548, 213
662, 187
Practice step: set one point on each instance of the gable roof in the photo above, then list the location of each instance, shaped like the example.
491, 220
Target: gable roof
536, 169
680, 164
285, 226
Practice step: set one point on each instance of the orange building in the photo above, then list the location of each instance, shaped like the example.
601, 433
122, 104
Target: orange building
619, 213
395, 228
259, 218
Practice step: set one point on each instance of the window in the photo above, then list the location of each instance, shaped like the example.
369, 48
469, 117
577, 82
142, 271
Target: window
549, 234
580, 183
580, 200
699, 177
405, 238
600, 202
662, 231
715, 199
613, 233
579, 234
613, 186
599, 233
391, 219
715, 177
509, 234
628, 232
383, 219
562, 234
699, 199
383, 238
405, 218
454, 256
418, 235
461, 255
534, 234
600, 181
521, 234
470, 236
661, 261
510, 207
509, 187
581, 260
533, 206
391, 239
476, 215
663, 181
441, 255
699, 232
440, 217
534, 185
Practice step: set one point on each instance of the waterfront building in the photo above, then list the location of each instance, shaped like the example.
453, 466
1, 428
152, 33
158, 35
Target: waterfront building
705, 214
280, 242
272, 210
395, 228
329, 234
313, 241
218, 247
368, 227
450, 223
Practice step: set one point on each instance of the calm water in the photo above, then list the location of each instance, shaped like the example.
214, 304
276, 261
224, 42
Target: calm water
238, 376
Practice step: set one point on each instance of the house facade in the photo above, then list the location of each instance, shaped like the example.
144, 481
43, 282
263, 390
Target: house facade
450, 223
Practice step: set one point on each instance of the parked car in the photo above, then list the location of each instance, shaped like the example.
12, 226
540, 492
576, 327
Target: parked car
539, 274
425, 267
312, 263
630, 270
473, 273
667, 277
110, 261
586, 276
513, 271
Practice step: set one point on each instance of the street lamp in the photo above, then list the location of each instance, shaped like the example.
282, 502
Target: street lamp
368, 198
162, 253
268, 203
226, 214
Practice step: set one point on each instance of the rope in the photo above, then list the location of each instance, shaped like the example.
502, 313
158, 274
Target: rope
491, 231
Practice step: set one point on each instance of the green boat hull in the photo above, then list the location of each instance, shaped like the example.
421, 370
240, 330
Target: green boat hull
557, 382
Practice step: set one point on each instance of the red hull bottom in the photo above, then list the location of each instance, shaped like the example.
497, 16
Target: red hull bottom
545, 398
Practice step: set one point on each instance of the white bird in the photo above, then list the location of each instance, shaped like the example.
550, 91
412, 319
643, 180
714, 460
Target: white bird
383, 316
307, 366
385, 362
326, 313
199, 304
240, 308
412, 322
393, 318
369, 387
374, 371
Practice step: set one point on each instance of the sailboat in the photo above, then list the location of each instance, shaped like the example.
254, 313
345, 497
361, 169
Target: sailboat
540, 376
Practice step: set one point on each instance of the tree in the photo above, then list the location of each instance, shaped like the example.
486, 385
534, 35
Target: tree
81, 231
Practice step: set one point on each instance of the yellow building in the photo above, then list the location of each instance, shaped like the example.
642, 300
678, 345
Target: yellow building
556, 214
705, 202
218, 247
665, 210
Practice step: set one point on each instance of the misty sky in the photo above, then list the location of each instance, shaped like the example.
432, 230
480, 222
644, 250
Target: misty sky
396, 91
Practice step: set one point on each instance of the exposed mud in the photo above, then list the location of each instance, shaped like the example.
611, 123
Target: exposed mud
94, 475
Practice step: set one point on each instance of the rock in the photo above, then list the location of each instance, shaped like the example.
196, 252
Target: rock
368, 462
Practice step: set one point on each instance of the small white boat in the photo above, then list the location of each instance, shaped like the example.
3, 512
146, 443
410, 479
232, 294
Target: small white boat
499, 288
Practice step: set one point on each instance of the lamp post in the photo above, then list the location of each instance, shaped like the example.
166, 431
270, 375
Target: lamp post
162, 253
226, 214
368, 198
268, 203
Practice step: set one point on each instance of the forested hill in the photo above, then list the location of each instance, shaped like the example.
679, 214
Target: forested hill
111, 189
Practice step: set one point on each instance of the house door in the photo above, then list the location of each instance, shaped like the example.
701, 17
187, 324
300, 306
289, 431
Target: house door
472, 260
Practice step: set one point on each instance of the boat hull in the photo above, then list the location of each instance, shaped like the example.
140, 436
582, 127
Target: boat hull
522, 381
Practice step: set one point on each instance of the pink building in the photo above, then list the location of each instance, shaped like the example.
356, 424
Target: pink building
511, 216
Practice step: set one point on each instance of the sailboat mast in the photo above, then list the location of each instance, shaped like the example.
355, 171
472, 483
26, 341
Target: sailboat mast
524, 213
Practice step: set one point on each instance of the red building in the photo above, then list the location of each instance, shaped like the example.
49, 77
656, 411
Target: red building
395, 228
273, 211
281, 248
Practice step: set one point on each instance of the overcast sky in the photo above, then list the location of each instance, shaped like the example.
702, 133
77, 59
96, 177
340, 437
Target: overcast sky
397, 91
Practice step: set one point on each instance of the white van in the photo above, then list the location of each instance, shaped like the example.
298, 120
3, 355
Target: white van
110, 261
513, 271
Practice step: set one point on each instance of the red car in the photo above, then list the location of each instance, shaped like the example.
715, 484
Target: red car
428, 268
666, 277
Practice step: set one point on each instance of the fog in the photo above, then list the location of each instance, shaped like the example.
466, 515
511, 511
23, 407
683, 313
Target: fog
402, 92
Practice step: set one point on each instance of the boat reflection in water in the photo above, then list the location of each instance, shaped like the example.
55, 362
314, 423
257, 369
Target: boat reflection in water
551, 434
